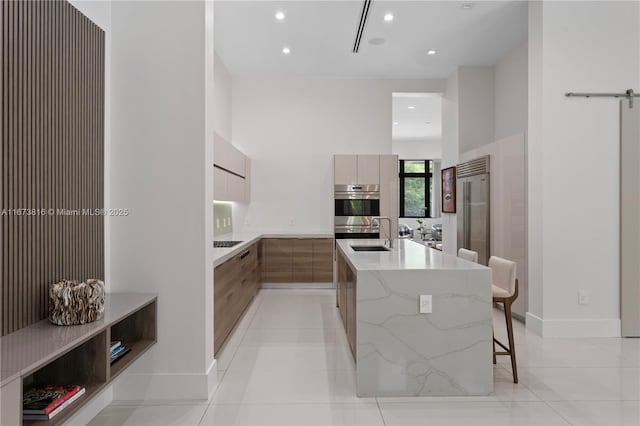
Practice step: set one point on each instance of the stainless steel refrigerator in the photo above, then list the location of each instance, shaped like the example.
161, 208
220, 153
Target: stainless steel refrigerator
472, 207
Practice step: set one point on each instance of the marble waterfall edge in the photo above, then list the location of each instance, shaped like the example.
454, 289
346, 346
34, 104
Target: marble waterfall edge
401, 352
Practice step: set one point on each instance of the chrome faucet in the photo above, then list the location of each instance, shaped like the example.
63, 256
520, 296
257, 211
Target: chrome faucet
377, 220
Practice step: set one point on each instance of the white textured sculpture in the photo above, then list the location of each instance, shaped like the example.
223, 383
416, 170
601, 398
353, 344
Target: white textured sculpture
72, 303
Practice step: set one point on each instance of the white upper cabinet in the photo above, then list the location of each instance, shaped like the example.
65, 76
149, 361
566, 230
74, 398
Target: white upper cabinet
368, 169
356, 169
220, 184
227, 156
235, 188
230, 172
345, 169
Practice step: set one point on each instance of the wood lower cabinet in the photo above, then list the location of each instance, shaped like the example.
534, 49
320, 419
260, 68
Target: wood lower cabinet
277, 258
322, 260
342, 289
302, 260
297, 260
347, 300
235, 284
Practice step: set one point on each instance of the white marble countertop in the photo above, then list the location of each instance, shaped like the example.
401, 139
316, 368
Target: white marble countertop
34, 346
406, 254
221, 255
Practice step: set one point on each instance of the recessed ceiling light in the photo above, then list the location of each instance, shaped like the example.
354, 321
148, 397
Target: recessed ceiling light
467, 6
395, 123
388, 17
280, 16
411, 107
286, 50
431, 52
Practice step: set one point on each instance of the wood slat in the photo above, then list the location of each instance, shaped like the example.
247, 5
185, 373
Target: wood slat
51, 153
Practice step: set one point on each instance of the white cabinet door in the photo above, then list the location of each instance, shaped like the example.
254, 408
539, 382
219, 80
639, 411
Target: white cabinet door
227, 156
220, 178
345, 169
235, 161
247, 179
389, 183
368, 169
235, 189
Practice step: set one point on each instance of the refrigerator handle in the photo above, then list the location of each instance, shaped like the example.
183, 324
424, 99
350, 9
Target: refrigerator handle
467, 214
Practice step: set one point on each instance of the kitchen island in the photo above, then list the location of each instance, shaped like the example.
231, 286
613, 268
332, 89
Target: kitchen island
400, 351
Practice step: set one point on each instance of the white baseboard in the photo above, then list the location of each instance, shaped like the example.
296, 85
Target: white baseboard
579, 328
163, 387
91, 409
534, 323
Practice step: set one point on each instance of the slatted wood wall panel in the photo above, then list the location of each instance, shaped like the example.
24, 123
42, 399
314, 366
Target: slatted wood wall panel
51, 153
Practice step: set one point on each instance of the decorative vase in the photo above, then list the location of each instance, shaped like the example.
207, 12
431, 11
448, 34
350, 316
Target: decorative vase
72, 303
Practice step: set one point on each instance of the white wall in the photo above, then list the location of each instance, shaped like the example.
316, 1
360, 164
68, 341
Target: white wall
574, 146
535, 201
417, 149
475, 107
161, 169
292, 127
510, 94
222, 99
100, 13
507, 207
450, 152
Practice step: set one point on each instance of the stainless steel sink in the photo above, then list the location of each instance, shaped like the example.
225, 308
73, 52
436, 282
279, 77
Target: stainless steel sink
370, 248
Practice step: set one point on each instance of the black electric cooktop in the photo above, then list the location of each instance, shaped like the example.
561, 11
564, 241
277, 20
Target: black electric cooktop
225, 244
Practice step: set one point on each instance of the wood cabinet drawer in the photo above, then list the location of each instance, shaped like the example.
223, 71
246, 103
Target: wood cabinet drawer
302, 260
323, 260
234, 287
277, 258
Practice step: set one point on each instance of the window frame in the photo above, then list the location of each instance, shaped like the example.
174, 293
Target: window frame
428, 177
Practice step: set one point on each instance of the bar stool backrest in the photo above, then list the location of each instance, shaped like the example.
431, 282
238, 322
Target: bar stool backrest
470, 255
503, 273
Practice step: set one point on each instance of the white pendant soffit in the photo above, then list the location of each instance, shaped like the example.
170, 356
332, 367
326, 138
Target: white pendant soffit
249, 38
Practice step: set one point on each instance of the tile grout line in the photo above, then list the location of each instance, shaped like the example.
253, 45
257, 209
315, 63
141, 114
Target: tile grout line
384, 422
244, 333
541, 399
224, 372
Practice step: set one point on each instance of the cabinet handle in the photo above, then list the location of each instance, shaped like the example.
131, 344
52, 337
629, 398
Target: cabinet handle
245, 254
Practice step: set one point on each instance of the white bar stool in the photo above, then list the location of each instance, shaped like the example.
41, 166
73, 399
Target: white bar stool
470, 255
504, 287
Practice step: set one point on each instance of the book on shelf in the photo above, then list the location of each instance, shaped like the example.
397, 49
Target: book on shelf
119, 355
45, 402
117, 350
114, 345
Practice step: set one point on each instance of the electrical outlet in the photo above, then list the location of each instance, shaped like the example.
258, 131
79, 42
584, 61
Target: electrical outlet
426, 304
292, 222
584, 298
217, 223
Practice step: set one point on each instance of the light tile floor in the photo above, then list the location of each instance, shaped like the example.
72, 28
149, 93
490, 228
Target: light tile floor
288, 363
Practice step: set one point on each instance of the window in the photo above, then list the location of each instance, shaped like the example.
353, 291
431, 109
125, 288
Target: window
416, 186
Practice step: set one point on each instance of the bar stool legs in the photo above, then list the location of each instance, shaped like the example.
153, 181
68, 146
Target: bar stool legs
507, 301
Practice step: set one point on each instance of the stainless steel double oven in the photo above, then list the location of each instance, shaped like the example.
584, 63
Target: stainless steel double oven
355, 207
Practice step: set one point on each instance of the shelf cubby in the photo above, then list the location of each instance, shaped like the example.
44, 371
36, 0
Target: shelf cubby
44, 354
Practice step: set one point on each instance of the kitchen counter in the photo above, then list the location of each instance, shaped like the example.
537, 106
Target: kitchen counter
402, 352
220, 255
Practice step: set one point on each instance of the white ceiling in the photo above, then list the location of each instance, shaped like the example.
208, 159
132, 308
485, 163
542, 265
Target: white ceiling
321, 34
412, 123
